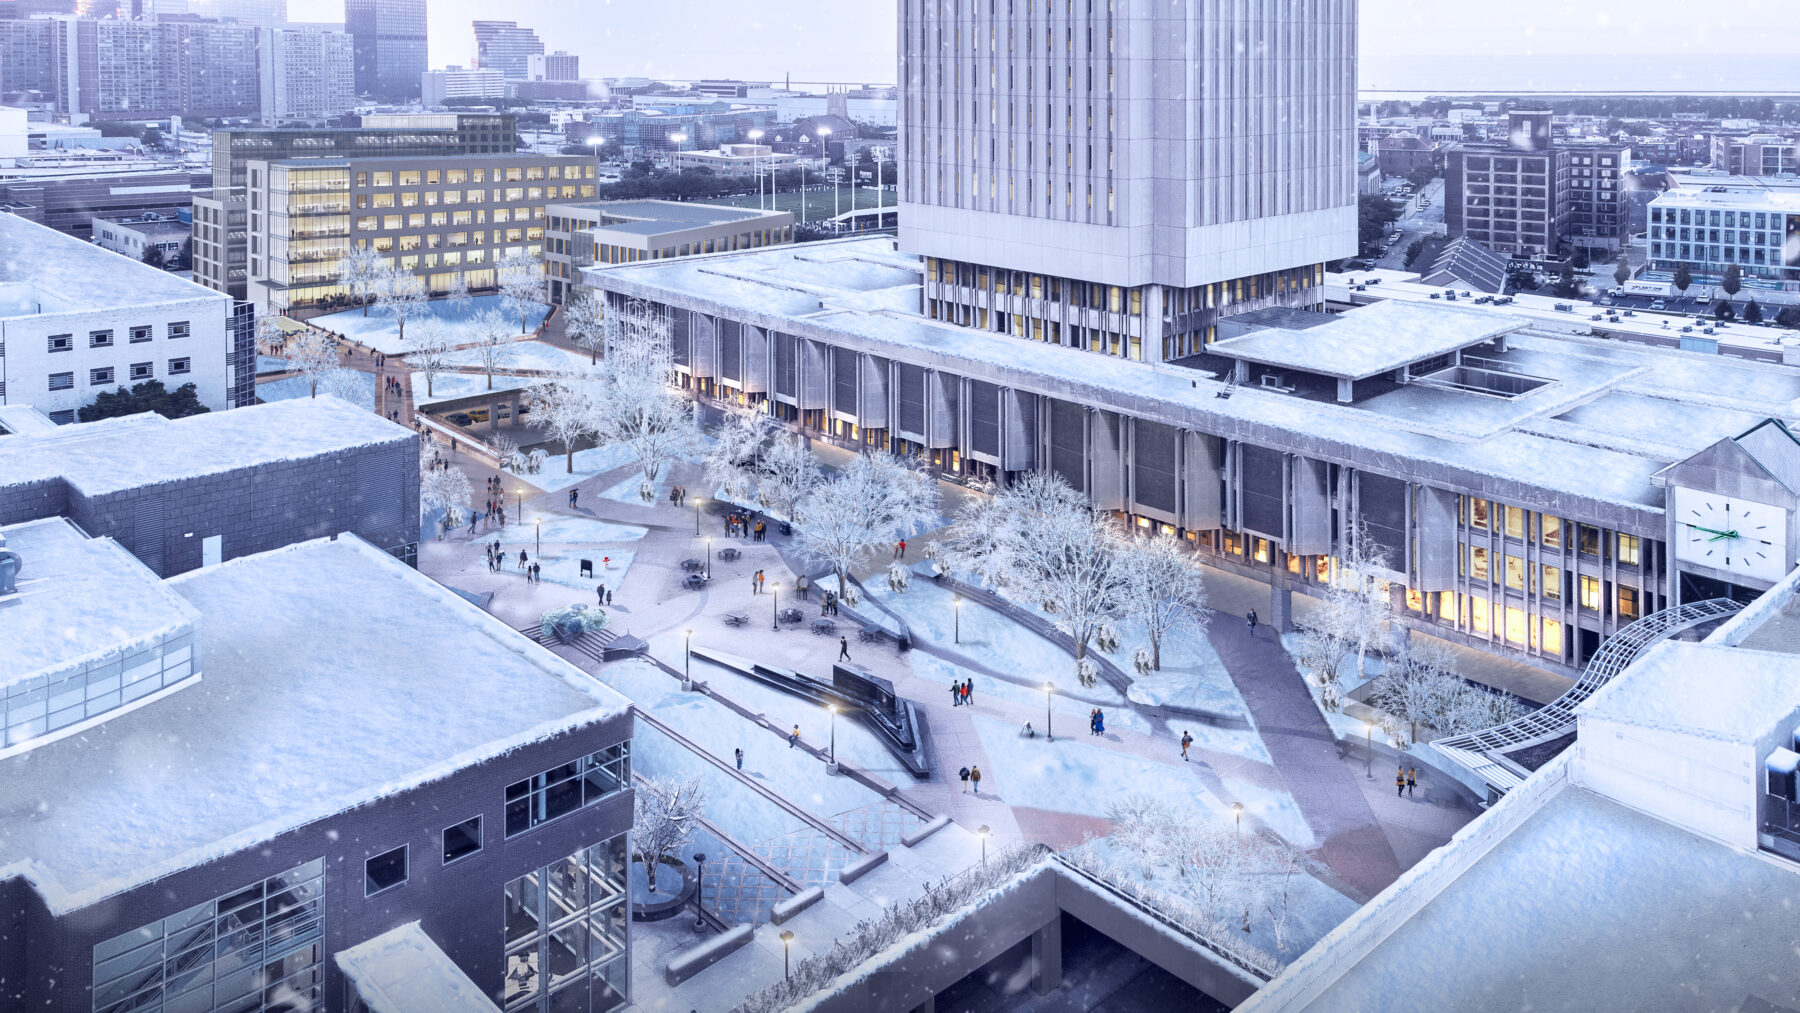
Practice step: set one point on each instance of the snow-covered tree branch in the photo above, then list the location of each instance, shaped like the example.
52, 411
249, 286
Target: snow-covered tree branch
731, 461
494, 336
873, 502
668, 812
441, 487
563, 408
402, 297
584, 320
635, 405
458, 295
1352, 619
360, 271
790, 473
1164, 588
521, 279
312, 353
428, 351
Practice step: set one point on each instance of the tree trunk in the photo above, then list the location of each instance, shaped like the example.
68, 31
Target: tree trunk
490, 376
429, 380
569, 447
1156, 652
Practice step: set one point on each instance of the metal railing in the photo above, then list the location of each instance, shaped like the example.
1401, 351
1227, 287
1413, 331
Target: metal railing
1479, 752
1150, 911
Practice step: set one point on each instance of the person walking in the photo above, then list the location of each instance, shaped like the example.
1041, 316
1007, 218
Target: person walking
902, 549
1399, 781
1099, 722
1252, 618
843, 648
1412, 781
609, 597
968, 692
956, 694
1187, 739
601, 592
975, 780
537, 573
964, 774
756, 582
801, 584
740, 758
522, 559
794, 737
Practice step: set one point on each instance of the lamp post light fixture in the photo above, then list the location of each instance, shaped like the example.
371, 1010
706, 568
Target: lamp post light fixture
521, 501
831, 766
1237, 810
697, 501
678, 137
1049, 695
1369, 750
982, 832
775, 607
699, 892
708, 557
956, 605
787, 939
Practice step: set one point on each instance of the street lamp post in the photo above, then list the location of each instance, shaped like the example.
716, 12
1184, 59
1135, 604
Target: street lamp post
1237, 810
1049, 695
824, 153
697, 500
540, 536
982, 832
956, 605
678, 137
787, 938
775, 608
687, 662
831, 764
699, 892
708, 557
521, 499
1369, 750
756, 139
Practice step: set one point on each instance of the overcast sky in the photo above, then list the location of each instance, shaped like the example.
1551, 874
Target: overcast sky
1725, 44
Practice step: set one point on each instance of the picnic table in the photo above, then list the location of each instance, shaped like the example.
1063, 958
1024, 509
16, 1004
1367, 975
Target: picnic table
693, 582
823, 626
730, 555
739, 618
792, 615
871, 633
692, 565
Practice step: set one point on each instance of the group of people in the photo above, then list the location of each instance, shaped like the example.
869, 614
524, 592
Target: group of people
393, 386
1097, 722
1405, 781
900, 549
962, 693
970, 775
828, 605
756, 583
738, 524
677, 495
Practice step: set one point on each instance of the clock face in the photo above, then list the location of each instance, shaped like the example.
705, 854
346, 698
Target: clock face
1734, 535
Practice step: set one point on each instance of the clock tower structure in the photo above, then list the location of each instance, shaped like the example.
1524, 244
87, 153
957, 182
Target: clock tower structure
1732, 513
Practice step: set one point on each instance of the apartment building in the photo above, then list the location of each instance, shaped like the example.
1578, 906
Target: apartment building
507, 48
154, 67
433, 217
1512, 200
77, 321
1757, 155
305, 74
391, 47
1599, 218
1710, 228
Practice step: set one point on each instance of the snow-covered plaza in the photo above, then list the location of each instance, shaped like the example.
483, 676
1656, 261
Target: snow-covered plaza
1262, 761
377, 329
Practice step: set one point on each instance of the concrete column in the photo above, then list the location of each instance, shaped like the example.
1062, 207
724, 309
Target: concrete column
1281, 601
1346, 391
1046, 956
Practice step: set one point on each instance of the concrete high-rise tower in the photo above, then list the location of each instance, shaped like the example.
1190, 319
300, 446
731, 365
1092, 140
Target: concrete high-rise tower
1119, 174
391, 48
507, 48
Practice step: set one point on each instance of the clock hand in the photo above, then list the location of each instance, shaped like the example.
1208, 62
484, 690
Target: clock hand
1713, 531
1722, 535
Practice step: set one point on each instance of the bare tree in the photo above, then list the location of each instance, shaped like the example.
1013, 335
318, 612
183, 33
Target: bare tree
1280, 863
563, 408
521, 278
790, 473
731, 461
1416, 688
458, 295
443, 487
669, 810
360, 271
1164, 588
1048, 547
875, 500
494, 338
402, 297
635, 405
312, 353
428, 351
584, 320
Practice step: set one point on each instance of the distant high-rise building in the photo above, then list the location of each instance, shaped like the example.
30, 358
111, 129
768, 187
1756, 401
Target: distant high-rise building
25, 63
507, 48
260, 12
391, 50
557, 66
10, 9
1119, 176
458, 82
306, 74
149, 68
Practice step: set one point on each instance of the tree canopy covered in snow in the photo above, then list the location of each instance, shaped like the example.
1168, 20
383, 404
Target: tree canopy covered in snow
876, 500
1163, 589
494, 336
789, 474
521, 284
1423, 688
1352, 619
402, 297
440, 487
428, 351
668, 811
635, 406
584, 321
562, 407
731, 460
361, 271
313, 354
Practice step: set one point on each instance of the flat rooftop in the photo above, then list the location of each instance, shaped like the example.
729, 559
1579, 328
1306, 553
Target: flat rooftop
1368, 341
333, 675
864, 294
1591, 905
112, 455
68, 274
1743, 691
403, 971
80, 599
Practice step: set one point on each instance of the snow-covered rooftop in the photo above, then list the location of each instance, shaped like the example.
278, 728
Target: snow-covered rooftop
81, 599
1730, 693
137, 450
334, 675
403, 971
1369, 340
1586, 905
866, 294
69, 274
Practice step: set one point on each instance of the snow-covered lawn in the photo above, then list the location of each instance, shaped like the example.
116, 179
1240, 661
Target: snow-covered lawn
377, 329
450, 386
1342, 725
293, 387
1071, 710
533, 355
1192, 675
594, 461
562, 529
630, 488
791, 773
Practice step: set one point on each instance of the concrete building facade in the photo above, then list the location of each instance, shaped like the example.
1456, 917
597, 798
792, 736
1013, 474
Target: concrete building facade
1511, 200
1598, 216
77, 320
305, 74
1064, 186
1710, 228
458, 82
152, 68
133, 235
1758, 155
557, 66
507, 48
433, 217
623, 232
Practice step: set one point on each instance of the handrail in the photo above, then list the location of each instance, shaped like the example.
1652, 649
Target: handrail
1477, 751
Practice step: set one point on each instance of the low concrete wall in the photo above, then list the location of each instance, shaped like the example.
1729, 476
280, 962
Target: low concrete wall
783, 910
912, 840
692, 961
861, 867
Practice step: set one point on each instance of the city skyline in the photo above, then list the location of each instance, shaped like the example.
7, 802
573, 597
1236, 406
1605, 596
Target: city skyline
1463, 49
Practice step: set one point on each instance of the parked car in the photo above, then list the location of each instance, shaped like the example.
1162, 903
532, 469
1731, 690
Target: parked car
460, 418
1659, 305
